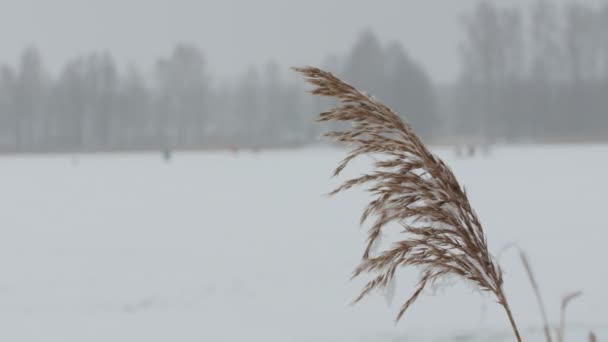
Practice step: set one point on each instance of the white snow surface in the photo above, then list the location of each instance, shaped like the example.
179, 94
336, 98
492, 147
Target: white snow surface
244, 247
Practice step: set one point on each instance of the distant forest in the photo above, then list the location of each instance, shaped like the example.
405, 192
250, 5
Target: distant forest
533, 75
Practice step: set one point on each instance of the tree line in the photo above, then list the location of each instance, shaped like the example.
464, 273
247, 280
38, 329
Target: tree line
535, 74
93, 105
539, 74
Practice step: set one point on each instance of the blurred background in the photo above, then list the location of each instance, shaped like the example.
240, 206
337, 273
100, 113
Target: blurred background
162, 172
135, 75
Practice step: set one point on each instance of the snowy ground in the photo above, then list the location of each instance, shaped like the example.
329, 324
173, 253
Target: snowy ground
244, 247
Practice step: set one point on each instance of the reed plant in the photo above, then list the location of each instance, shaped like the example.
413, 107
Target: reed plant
411, 187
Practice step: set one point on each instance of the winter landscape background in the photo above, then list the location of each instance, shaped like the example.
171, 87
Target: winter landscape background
220, 246
163, 176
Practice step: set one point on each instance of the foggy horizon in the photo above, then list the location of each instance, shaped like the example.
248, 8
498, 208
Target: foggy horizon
139, 32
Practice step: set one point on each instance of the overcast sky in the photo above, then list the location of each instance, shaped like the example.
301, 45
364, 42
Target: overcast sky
233, 33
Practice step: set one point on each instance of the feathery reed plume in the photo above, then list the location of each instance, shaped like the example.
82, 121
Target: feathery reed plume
562, 315
412, 187
541, 305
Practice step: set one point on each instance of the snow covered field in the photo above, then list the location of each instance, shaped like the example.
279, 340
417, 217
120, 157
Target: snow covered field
244, 247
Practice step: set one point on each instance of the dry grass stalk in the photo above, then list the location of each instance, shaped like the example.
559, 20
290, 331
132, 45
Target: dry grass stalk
414, 188
562, 315
541, 305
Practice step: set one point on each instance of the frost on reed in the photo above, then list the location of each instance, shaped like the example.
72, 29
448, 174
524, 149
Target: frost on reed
412, 187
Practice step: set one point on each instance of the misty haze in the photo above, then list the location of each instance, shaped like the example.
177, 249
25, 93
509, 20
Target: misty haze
164, 170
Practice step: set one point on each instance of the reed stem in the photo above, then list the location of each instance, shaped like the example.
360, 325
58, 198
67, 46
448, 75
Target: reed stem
505, 304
